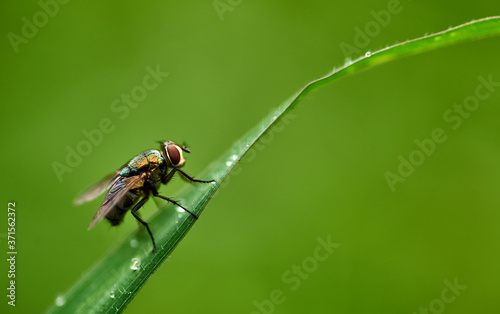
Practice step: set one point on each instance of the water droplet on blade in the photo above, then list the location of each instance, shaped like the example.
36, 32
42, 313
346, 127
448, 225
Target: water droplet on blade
133, 243
347, 62
136, 263
60, 300
112, 294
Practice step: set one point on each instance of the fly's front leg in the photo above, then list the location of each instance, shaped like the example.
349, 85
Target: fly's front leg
190, 178
145, 224
168, 176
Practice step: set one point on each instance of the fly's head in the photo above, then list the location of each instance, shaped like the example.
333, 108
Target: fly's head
172, 153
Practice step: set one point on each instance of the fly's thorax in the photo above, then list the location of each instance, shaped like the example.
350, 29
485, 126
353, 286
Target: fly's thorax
154, 177
150, 161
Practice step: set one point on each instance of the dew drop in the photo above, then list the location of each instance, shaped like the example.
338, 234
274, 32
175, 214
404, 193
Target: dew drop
112, 294
180, 215
60, 300
234, 157
179, 209
368, 53
133, 243
136, 263
229, 163
347, 62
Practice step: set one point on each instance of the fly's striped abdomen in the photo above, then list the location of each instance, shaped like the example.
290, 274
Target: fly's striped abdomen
116, 214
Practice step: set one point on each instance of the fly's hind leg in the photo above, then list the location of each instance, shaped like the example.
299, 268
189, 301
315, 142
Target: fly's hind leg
145, 224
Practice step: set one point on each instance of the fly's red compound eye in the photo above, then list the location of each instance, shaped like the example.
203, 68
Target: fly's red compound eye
174, 155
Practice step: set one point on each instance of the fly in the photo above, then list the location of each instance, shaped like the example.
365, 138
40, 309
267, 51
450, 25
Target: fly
132, 185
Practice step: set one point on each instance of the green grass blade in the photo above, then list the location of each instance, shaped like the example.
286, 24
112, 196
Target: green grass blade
116, 279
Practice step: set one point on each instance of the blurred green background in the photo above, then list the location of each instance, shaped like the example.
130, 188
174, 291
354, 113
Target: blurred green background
322, 176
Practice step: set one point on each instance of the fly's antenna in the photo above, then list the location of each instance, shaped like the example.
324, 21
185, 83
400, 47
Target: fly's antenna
184, 147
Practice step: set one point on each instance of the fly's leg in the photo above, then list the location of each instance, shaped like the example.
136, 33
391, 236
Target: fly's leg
190, 178
155, 193
145, 224
168, 176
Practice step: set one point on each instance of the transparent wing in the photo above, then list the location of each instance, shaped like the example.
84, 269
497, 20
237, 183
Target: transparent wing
115, 195
97, 189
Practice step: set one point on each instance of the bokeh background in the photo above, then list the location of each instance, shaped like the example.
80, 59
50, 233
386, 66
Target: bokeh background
322, 176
